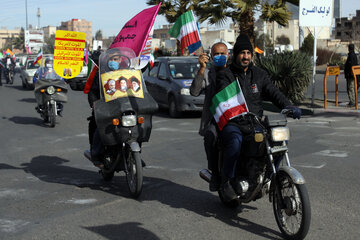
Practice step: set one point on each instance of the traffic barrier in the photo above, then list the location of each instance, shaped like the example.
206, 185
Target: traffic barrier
332, 71
356, 71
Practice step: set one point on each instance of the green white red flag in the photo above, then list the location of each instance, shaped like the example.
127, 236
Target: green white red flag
228, 104
186, 30
92, 69
38, 57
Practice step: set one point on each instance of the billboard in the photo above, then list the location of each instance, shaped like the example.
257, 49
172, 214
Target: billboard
34, 39
315, 13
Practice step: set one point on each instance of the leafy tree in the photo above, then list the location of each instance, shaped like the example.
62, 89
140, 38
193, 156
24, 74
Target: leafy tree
283, 40
242, 12
19, 42
49, 43
308, 44
261, 39
172, 10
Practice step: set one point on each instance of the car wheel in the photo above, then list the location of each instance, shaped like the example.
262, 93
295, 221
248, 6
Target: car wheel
173, 112
23, 82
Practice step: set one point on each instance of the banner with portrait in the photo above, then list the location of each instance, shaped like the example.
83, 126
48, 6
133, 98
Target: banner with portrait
122, 83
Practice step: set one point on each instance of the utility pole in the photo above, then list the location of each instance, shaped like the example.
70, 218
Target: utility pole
27, 26
38, 15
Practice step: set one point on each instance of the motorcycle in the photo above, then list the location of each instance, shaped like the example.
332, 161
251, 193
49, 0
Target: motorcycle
123, 116
265, 169
50, 92
9, 72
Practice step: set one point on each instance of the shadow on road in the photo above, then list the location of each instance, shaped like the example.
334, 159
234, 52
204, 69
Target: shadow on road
130, 230
28, 100
51, 169
26, 120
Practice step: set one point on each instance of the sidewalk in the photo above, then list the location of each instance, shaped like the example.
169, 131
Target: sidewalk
309, 109
318, 108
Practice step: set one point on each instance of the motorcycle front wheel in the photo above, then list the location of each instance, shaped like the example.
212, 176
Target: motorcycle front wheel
292, 209
134, 176
52, 115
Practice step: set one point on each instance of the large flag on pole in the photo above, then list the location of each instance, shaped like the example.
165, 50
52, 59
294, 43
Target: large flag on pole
92, 69
227, 104
186, 30
136, 31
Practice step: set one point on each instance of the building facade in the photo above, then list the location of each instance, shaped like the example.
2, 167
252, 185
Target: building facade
6, 34
79, 25
348, 29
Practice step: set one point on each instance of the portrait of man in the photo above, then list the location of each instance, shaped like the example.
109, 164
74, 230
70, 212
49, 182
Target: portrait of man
123, 84
135, 84
112, 87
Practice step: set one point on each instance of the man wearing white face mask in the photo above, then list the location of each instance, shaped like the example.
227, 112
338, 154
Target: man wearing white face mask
205, 81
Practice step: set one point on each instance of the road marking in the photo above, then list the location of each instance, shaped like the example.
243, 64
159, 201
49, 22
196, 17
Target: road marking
332, 153
310, 166
69, 137
11, 225
174, 130
81, 201
171, 169
12, 192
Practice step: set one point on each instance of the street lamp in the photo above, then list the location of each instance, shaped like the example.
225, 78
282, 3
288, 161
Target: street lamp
27, 26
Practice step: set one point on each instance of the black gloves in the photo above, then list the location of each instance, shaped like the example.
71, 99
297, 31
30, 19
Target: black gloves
296, 112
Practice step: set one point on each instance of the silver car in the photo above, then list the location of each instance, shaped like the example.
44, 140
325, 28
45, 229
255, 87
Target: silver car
28, 71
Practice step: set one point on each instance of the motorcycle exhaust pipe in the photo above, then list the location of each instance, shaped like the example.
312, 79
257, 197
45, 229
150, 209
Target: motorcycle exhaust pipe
205, 174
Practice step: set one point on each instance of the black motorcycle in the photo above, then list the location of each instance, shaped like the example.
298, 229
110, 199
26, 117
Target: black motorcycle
9, 72
123, 117
50, 94
265, 169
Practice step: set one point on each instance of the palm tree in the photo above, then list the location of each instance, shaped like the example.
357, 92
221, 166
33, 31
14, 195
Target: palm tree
242, 12
172, 10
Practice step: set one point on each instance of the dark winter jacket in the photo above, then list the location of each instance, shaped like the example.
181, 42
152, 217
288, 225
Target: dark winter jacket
350, 62
256, 86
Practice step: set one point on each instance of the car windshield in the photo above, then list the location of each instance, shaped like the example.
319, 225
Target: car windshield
181, 70
31, 65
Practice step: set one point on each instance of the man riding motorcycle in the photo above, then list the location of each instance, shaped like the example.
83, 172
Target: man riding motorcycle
205, 81
9, 65
256, 86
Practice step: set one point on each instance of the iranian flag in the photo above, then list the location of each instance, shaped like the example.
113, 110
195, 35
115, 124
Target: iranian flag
38, 57
227, 104
92, 69
186, 30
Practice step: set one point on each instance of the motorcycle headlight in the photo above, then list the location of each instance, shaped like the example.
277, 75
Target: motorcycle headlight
279, 134
128, 120
185, 91
50, 90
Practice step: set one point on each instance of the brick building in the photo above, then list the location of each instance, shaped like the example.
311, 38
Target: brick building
78, 25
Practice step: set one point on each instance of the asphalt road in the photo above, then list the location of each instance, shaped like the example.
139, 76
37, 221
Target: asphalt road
48, 190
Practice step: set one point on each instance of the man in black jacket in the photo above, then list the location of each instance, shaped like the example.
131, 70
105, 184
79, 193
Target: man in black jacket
204, 81
350, 62
256, 86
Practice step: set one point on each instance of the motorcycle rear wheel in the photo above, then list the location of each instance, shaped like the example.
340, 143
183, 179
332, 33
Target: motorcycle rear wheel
134, 175
293, 218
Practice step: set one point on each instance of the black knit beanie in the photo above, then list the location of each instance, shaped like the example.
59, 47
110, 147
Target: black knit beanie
242, 43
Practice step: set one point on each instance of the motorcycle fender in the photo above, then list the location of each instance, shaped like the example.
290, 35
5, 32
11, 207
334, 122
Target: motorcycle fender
135, 147
294, 174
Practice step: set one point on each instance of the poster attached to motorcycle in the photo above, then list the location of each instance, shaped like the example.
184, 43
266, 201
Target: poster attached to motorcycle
69, 53
118, 75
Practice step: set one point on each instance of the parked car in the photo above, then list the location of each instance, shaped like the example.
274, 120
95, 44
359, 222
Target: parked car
169, 81
27, 72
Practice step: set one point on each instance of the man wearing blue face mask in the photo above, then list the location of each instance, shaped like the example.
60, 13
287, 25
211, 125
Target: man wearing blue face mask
204, 81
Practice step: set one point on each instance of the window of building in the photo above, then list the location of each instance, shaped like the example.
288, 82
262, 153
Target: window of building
338, 24
163, 35
154, 35
338, 34
279, 26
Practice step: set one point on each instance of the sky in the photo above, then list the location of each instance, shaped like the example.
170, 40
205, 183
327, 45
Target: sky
109, 16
